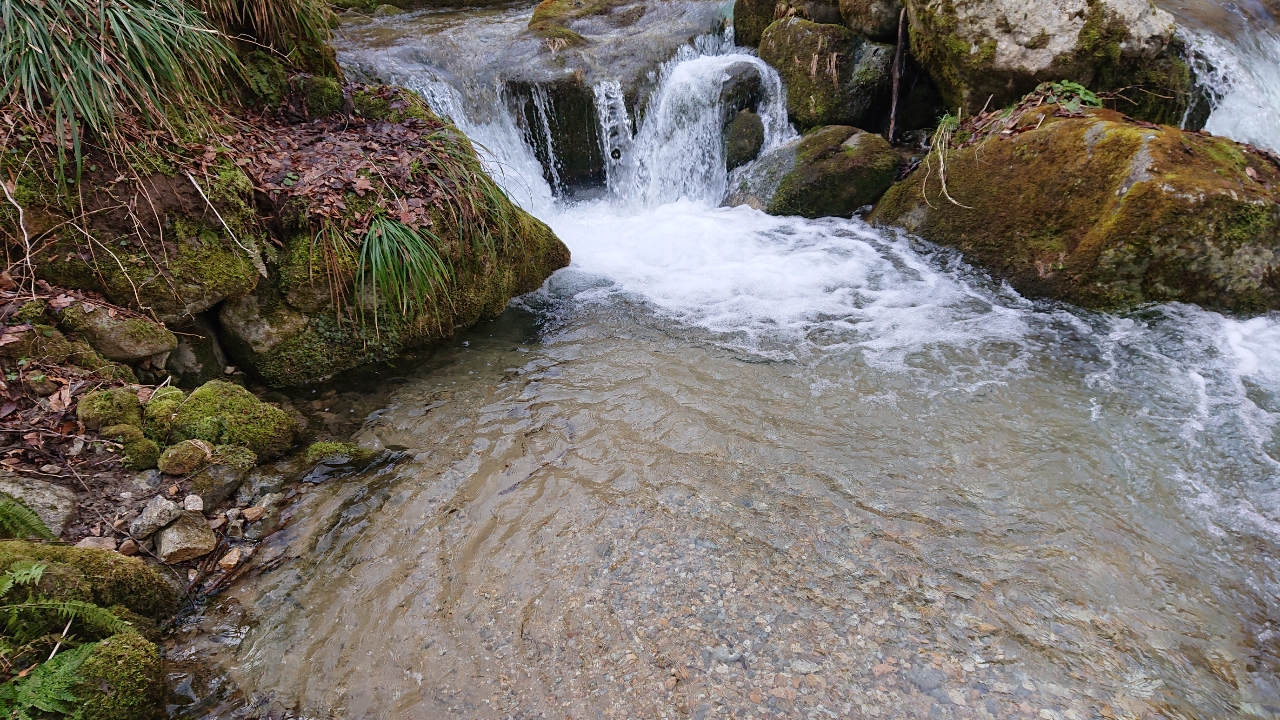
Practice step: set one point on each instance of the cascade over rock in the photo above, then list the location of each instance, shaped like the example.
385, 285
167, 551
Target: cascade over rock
1105, 213
832, 75
981, 51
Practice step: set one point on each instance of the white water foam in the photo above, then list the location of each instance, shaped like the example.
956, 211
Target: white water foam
1243, 78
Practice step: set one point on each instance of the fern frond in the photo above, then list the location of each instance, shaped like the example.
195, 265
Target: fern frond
91, 616
19, 521
48, 688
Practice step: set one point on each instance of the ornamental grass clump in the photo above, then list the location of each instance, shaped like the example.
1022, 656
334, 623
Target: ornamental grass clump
107, 72
286, 26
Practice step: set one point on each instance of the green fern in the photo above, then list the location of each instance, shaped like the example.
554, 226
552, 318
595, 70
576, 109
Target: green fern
48, 688
23, 572
19, 521
92, 617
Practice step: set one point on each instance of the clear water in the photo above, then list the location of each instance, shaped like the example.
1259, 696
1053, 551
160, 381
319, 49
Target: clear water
728, 464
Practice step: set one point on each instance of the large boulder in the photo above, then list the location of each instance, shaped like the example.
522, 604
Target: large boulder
876, 19
1104, 212
832, 172
832, 75
994, 51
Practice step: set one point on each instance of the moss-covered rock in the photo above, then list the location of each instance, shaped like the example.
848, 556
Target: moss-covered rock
743, 139
222, 413
750, 18
105, 408
206, 256
185, 457
874, 19
832, 75
123, 339
159, 413
980, 52
1106, 213
122, 679
140, 452
40, 343
393, 104
838, 170
337, 452
111, 578
552, 19
322, 96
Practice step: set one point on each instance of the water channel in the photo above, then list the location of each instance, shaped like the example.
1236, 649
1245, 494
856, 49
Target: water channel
728, 464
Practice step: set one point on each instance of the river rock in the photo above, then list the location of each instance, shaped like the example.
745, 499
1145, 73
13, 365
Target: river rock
874, 19
832, 172
995, 51
119, 338
217, 483
756, 184
157, 513
97, 543
743, 139
54, 504
839, 169
832, 75
189, 537
185, 458
1106, 213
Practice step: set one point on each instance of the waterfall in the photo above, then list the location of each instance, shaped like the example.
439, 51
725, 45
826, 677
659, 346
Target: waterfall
1242, 77
678, 152
615, 131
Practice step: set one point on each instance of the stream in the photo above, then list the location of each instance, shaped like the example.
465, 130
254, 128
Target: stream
728, 464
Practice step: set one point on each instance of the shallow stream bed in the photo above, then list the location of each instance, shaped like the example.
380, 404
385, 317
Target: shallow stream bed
734, 465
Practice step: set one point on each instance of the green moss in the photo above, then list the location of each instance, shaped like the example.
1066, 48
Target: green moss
31, 311
122, 679
266, 80
392, 104
743, 139
1108, 214
106, 408
327, 450
159, 412
839, 169
41, 343
832, 76
58, 582
185, 457
323, 96
240, 458
112, 579
140, 452
222, 413
551, 18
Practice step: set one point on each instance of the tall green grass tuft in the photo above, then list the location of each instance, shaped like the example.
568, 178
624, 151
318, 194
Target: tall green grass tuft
88, 68
284, 25
400, 268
